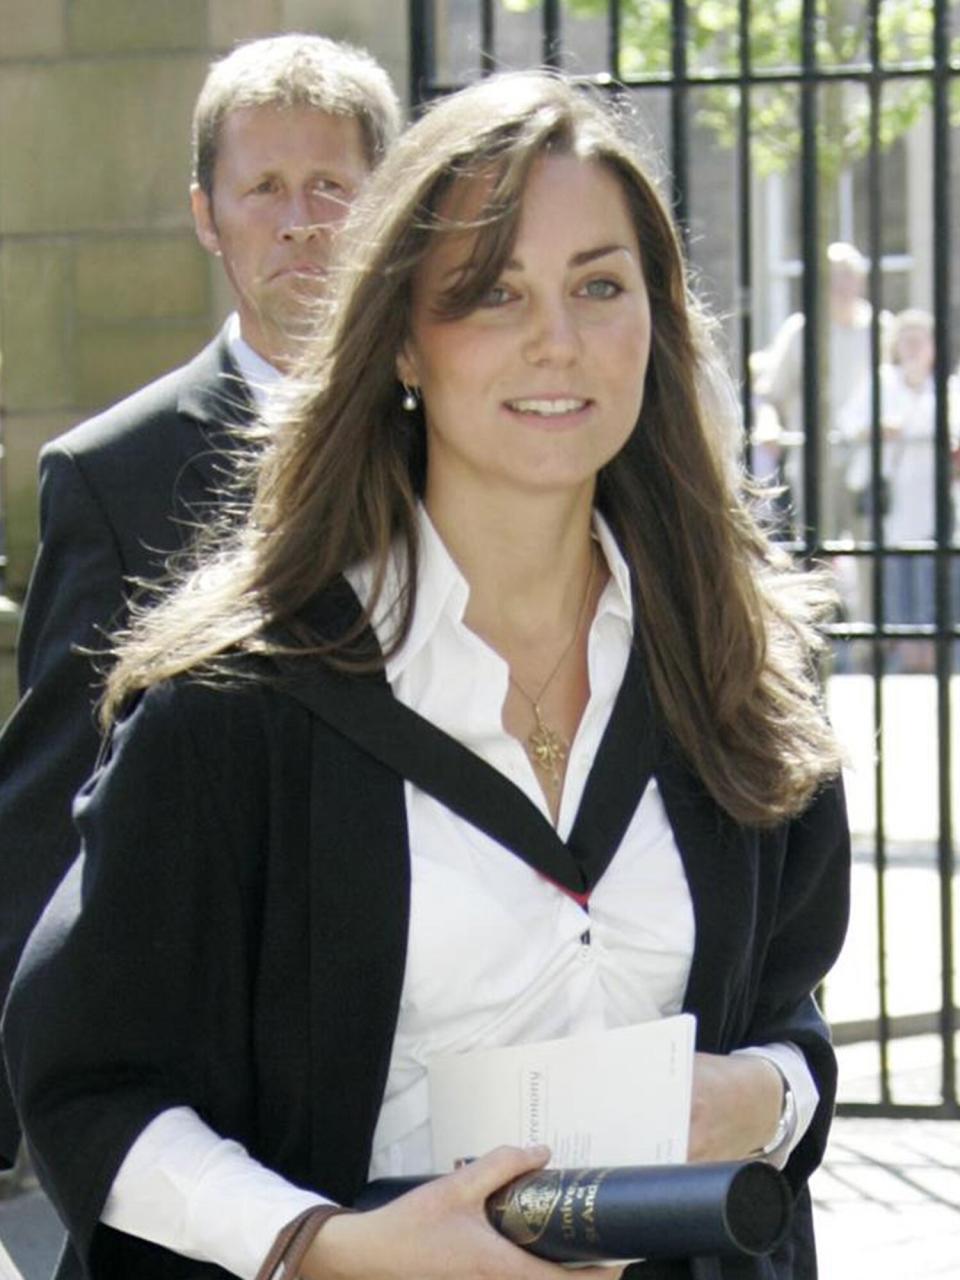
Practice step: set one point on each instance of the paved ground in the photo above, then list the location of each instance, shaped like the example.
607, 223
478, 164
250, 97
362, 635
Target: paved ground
887, 1201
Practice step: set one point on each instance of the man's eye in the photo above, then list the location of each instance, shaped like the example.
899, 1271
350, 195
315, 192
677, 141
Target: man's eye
328, 187
265, 187
602, 288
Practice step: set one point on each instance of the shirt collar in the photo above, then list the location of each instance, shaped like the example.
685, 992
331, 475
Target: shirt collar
617, 598
259, 375
443, 591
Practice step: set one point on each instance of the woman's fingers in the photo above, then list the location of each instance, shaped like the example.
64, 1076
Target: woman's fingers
494, 1170
436, 1231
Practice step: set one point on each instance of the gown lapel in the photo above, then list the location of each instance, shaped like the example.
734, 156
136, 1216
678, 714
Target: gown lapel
364, 710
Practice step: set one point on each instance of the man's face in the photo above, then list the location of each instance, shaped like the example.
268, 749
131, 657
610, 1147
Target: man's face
283, 182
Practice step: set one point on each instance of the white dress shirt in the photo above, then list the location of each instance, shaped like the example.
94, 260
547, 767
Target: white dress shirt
259, 375
497, 954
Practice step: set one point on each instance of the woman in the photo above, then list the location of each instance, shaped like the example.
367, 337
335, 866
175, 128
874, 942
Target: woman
908, 407
495, 721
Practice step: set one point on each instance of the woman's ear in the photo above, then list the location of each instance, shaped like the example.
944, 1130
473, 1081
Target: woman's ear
407, 368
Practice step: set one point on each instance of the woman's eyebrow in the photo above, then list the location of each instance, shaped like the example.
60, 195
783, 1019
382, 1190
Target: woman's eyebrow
579, 259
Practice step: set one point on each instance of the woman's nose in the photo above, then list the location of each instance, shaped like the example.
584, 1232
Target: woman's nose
553, 337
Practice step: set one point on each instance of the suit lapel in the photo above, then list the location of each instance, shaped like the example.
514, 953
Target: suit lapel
214, 410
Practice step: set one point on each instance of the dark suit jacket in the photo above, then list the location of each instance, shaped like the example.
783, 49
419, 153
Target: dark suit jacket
242, 942
117, 495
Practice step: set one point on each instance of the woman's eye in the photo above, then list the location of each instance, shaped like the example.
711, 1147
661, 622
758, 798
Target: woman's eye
601, 288
496, 296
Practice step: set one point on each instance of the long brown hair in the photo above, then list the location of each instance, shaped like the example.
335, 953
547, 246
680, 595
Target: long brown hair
726, 624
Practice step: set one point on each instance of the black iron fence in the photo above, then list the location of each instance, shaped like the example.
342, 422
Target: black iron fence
823, 102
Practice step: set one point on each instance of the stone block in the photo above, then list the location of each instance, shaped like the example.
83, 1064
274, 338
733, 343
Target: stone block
32, 29
133, 26
233, 20
35, 294
112, 360
9, 622
23, 437
114, 138
145, 278
381, 29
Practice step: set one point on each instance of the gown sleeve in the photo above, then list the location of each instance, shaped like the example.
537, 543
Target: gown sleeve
133, 995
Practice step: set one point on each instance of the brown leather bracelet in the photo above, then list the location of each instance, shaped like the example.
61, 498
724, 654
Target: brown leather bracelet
291, 1245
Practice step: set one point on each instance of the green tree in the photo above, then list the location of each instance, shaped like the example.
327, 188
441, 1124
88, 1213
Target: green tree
905, 38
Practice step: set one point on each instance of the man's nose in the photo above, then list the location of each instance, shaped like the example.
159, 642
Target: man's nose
299, 223
301, 233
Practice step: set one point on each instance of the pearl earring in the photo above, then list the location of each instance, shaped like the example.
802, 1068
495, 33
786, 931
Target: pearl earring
409, 401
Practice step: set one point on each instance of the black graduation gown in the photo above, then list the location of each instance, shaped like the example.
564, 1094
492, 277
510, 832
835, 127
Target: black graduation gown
245, 888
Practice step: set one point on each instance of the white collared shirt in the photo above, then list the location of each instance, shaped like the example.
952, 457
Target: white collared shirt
259, 375
497, 954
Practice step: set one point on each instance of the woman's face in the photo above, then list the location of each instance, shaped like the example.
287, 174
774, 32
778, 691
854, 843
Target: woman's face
541, 384
915, 348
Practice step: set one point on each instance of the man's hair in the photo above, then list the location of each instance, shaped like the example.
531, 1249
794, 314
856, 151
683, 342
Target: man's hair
295, 71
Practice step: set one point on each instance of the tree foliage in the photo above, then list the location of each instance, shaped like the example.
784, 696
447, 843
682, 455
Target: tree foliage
842, 42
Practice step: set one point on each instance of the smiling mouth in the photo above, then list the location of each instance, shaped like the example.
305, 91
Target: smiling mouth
548, 408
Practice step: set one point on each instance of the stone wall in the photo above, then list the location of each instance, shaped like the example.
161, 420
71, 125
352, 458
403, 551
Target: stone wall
102, 283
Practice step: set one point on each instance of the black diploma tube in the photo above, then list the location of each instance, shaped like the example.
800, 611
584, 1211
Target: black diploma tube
725, 1209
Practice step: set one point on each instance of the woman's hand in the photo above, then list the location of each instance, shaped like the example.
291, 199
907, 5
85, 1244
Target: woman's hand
735, 1108
436, 1232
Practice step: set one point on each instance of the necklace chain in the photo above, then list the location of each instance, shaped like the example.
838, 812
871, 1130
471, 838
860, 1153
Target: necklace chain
548, 747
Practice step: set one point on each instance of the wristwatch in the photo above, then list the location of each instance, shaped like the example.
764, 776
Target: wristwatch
787, 1123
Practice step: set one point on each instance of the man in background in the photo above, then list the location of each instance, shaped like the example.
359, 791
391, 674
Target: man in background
285, 132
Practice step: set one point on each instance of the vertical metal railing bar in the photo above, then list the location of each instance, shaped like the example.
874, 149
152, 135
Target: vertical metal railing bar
944, 646
745, 228
614, 19
423, 60
552, 40
875, 236
679, 120
488, 38
810, 235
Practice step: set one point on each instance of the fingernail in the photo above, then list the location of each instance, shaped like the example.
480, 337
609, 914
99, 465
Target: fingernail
537, 1149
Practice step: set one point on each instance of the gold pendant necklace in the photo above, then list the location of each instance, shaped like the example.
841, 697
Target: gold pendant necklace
548, 748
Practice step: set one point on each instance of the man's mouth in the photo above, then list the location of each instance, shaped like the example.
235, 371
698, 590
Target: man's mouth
312, 269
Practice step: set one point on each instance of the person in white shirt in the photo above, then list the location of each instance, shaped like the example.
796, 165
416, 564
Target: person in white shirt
493, 723
908, 409
847, 360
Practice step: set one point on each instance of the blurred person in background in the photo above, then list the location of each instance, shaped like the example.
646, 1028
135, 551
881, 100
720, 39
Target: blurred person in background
906, 484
